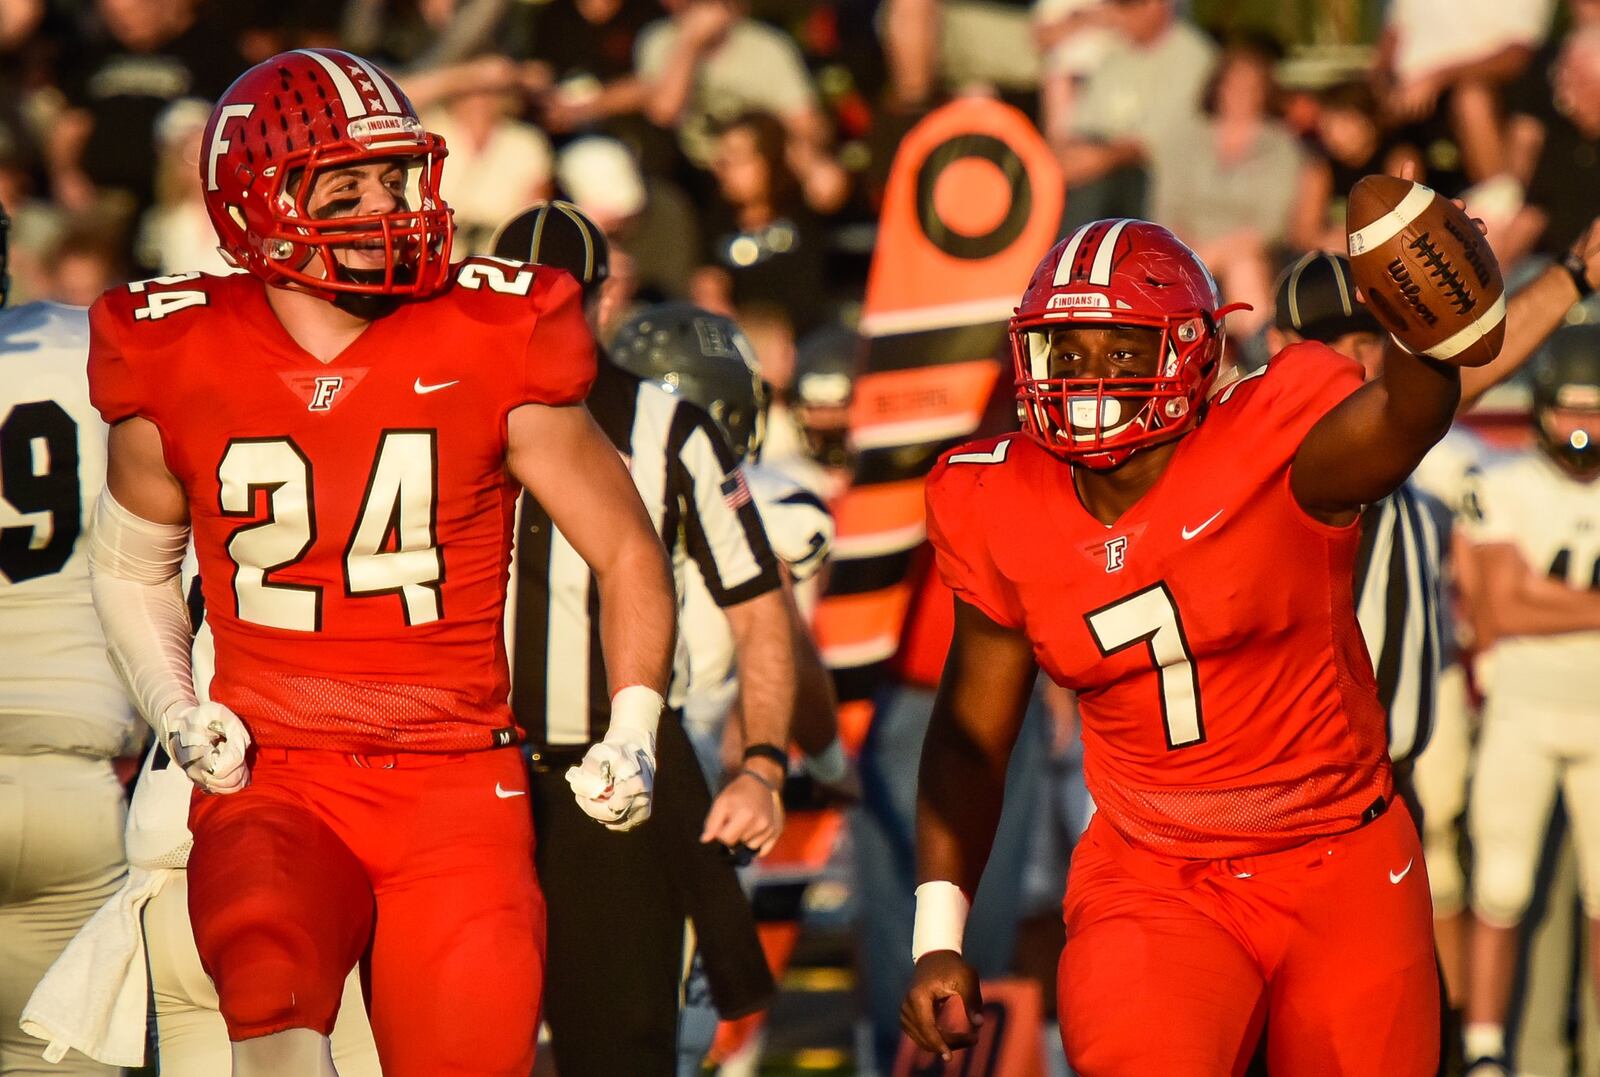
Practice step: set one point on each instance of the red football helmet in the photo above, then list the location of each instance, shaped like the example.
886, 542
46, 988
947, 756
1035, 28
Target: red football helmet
304, 112
1117, 272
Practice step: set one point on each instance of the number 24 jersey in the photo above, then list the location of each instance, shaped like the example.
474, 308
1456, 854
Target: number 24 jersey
1227, 700
352, 519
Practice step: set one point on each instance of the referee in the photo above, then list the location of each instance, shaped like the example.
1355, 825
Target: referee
1399, 572
618, 903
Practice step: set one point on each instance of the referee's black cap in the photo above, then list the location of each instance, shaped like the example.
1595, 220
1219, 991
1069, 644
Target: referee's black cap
557, 234
1316, 298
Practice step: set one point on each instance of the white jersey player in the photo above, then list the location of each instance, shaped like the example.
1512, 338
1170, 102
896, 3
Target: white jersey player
800, 529
1537, 553
63, 714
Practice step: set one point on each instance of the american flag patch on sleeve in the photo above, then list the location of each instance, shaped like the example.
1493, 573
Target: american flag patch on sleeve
735, 491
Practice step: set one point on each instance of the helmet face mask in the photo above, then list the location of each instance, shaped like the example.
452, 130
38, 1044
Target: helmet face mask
1129, 275
821, 391
1566, 400
1572, 438
279, 130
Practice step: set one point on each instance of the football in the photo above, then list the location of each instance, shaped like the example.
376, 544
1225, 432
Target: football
1425, 271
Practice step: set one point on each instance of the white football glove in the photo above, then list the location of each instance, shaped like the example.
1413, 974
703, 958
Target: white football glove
614, 782
208, 741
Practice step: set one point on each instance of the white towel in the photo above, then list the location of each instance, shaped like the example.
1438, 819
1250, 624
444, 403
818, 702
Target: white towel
95, 997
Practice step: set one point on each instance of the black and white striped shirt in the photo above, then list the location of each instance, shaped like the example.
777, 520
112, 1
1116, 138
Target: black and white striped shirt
1400, 603
696, 495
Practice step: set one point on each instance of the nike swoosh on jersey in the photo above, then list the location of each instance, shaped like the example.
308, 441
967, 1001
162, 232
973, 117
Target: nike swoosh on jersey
421, 388
1396, 876
1189, 533
505, 793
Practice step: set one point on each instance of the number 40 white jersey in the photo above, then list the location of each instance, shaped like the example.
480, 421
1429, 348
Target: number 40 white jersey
1553, 520
57, 689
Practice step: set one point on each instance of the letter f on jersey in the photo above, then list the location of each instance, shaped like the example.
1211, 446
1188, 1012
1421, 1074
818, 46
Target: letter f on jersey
1115, 550
323, 393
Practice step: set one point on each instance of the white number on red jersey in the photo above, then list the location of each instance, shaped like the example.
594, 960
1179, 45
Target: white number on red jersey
1150, 617
161, 304
393, 549
277, 466
476, 274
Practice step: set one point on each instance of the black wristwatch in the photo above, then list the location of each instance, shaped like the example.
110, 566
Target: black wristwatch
770, 752
1578, 270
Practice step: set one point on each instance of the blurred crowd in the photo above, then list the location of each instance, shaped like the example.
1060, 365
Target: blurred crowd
735, 153
735, 150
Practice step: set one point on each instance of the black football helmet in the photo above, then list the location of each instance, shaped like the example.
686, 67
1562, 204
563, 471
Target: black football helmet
557, 234
704, 358
1566, 398
819, 397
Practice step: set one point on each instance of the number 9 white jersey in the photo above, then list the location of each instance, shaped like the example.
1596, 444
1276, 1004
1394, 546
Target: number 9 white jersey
57, 690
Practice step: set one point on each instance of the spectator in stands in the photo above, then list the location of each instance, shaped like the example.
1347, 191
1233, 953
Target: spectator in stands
421, 34
1530, 101
1354, 143
141, 56
584, 51
958, 45
1442, 64
763, 243
655, 239
1143, 94
86, 262
1074, 36
175, 234
498, 164
1564, 185
1239, 189
710, 63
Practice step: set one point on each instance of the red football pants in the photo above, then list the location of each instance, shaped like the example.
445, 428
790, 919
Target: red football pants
418, 866
1172, 967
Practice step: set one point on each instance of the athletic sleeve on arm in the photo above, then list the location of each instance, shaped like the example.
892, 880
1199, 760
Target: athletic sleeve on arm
559, 364
960, 548
721, 526
114, 387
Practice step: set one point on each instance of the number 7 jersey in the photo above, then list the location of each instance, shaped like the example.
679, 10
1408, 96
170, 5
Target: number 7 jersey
352, 519
1228, 704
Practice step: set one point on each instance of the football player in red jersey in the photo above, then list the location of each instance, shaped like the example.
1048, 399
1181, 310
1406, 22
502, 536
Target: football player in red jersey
343, 430
1182, 559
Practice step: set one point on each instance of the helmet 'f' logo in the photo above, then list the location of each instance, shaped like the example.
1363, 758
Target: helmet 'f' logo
219, 144
322, 395
1115, 549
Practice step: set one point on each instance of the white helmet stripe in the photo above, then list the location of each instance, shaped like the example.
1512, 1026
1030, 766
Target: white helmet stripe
1100, 272
390, 102
354, 105
1064, 267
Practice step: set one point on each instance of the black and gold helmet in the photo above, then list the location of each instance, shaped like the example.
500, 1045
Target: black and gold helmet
704, 358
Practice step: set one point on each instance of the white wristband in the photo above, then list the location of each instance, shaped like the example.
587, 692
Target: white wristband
941, 918
637, 707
